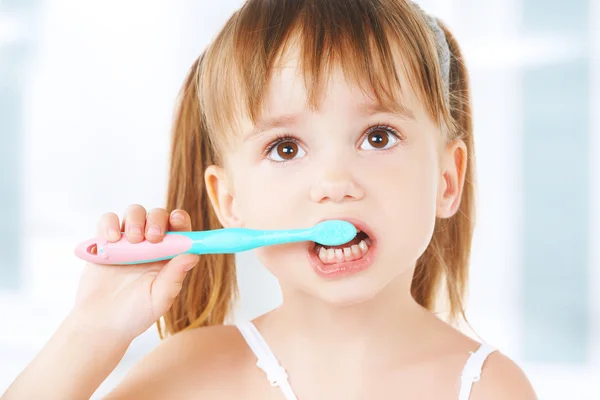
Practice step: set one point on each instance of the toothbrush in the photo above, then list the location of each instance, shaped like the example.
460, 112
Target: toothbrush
223, 241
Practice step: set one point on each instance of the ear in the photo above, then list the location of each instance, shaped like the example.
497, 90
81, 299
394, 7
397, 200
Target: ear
221, 196
453, 169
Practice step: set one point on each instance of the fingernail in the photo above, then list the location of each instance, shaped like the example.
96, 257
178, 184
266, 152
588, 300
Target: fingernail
113, 234
154, 230
177, 217
135, 229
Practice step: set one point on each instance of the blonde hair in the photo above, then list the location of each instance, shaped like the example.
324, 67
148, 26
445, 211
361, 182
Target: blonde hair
230, 78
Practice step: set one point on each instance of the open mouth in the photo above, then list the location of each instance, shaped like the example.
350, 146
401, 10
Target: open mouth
347, 259
354, 250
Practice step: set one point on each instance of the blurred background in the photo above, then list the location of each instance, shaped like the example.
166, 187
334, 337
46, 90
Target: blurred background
87, 91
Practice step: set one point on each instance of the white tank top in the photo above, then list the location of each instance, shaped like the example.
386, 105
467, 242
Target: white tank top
277, 375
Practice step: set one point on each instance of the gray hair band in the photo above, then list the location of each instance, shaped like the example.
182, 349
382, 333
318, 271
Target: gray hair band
442, 48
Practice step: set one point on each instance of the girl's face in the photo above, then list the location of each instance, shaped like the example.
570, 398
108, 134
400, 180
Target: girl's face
383, 170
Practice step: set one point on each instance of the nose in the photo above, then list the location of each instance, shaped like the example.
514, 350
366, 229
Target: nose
336, 185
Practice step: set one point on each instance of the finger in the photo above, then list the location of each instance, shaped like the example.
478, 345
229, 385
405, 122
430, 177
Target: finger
134, 222
108, 227
156, 224
180, 220
168, 282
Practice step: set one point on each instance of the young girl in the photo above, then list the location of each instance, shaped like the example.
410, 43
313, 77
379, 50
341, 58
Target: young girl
298, 112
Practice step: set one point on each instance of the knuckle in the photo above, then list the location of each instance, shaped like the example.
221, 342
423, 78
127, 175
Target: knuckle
135, 209
109, 216
157, 213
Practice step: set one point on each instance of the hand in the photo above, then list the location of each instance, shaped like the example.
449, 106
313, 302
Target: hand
126, 300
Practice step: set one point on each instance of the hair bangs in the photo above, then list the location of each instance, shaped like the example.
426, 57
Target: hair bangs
373, 45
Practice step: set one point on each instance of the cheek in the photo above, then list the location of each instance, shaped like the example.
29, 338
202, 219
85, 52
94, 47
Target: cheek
408, 204
271, 197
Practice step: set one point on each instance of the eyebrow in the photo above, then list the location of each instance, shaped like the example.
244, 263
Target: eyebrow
364, 109
367, 109
281, 121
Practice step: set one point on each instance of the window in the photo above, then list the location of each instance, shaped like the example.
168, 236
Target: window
13, 51
556, 181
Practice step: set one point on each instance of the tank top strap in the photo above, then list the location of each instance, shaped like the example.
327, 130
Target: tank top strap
472, 370
266, 359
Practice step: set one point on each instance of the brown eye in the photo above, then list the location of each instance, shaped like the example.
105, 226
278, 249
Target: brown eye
285, 150
380, 138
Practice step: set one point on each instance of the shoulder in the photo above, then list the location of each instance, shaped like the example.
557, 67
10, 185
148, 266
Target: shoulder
187, 362
502, 378
220, 345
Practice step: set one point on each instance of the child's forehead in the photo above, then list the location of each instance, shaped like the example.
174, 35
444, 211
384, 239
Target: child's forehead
288, 87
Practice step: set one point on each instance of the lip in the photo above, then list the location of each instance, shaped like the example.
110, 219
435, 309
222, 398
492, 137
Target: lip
349, 267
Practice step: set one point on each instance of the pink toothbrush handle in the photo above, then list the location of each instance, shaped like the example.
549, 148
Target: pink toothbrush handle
123, 252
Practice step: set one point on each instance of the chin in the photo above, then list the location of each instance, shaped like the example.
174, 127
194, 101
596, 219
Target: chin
348, 292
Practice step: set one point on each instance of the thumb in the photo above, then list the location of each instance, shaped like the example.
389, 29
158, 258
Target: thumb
168, 282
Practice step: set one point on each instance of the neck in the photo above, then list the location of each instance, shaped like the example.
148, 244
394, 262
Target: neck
387, 323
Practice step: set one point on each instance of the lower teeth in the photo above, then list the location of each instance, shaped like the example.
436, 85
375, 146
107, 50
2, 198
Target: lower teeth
354, 252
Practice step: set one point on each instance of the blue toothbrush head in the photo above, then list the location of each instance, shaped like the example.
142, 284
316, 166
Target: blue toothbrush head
333, 232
